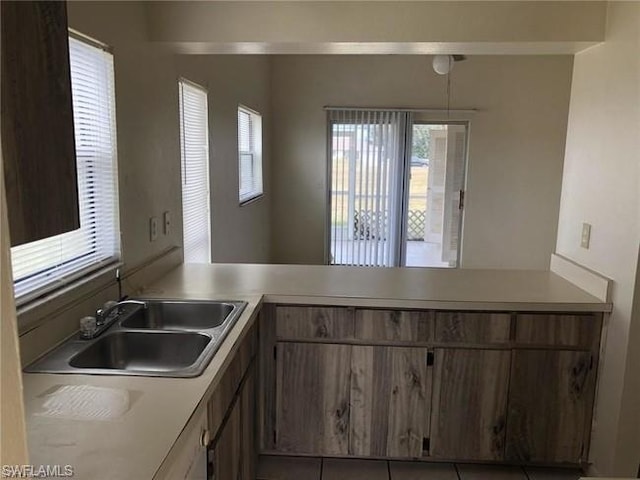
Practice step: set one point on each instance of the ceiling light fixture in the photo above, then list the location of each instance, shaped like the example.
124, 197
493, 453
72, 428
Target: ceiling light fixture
442, 64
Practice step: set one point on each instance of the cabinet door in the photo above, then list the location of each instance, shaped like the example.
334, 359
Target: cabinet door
37, 121
390, 401
312, 398
470, 404
248, 453
550, 405
227, 449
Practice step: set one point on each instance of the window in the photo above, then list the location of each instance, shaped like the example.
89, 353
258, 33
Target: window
194, 140
249, 154
50, 263
396, 189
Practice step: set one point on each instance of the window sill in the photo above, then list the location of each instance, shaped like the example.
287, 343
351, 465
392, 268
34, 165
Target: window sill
34, 312
251, 200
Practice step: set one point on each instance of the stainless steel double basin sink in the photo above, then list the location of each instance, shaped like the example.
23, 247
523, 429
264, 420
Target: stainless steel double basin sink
168, 338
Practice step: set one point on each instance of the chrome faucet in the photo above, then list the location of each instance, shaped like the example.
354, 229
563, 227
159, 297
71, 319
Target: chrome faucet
105, 317
102, 314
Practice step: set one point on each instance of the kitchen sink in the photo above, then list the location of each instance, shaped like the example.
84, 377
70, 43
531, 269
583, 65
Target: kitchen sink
180, 315
148, 351
156, 338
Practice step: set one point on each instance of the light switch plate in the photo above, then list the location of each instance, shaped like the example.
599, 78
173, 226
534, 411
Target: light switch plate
153, 228
585, 238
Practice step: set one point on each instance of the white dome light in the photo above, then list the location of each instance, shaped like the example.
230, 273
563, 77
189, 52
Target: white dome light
442, 64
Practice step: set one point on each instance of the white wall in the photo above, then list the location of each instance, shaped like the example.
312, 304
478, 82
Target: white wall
601, 186
515, 157
239, 234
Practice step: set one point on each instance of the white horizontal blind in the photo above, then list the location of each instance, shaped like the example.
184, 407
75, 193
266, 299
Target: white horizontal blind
50, 263
249, 154
366, 164
194, 137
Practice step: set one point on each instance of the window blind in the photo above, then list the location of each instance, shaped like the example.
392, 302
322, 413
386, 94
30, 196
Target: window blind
249, 154
366, 175
194, 137
50, 263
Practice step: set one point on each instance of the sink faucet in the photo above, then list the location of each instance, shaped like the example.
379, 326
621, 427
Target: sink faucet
102, 314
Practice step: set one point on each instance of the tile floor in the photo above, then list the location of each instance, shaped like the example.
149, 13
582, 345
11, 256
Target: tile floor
299, 468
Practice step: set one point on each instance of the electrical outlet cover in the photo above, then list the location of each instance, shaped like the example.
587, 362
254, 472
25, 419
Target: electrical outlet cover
153, 228
166, 216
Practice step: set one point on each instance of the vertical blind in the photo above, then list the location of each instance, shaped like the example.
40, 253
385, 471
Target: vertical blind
43, 265
249, 154
365, 152
194, 140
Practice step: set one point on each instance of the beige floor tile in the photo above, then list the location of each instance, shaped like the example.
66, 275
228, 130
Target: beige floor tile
490, 472
535, 473
347, 469
422, 471
288, 468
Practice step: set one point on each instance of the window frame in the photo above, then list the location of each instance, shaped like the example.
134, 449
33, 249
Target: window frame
61, 281
255, 151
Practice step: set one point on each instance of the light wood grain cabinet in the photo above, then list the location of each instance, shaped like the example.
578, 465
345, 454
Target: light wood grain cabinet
248, 439
564, 330
231, 416
312, 398
394, 325
433, 385
470, 404
227, 457
390, 401
314, 322
550, 404
472, 327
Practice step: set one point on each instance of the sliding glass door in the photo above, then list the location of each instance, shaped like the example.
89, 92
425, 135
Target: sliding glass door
395, 189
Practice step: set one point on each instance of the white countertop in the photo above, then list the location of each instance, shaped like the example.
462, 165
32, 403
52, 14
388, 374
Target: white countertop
407, 287
134, 445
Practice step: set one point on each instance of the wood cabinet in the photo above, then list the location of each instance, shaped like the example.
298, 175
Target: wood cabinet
432, 385
248, 450
312, 398
231, 416
233, 452
473, 327
559, 330
394, 325
390, 401
470, 404
227, 447
38, 143
314, 322
550, 404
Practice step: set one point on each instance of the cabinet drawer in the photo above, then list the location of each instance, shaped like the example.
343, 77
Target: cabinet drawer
473, 327
564, 330
394, 325
314, 322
